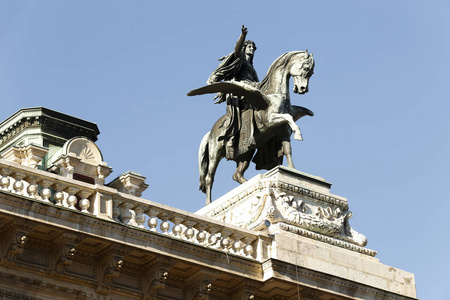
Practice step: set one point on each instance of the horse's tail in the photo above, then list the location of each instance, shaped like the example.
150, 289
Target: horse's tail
203, 161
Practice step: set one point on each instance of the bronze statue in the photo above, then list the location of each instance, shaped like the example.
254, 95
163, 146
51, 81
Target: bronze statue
260, 117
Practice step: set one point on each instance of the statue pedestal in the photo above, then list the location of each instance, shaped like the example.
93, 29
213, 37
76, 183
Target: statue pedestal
310, 229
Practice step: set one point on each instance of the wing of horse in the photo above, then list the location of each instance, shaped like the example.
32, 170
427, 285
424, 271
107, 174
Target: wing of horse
251, 94
299, 111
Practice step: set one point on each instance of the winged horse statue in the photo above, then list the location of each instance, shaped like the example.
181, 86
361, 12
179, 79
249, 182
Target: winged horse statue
275, 118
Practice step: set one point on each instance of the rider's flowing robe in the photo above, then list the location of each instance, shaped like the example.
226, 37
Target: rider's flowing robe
240, 115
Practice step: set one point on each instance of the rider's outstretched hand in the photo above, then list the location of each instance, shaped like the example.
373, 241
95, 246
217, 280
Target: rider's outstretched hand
244, 30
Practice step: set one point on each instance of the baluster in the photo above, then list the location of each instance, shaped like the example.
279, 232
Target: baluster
225, 242
116, 209
127, 213
140, 216
177, 226
237, 244
248, 248
32, 188
165, 225
201, 234
59, 195
46, 193
189, 232
5, 181
18, 185
72, 199
152, 220
84, 202
213, 239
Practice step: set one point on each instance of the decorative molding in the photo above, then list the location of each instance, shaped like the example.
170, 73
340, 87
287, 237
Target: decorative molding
130, 182
49, 121
30, 155
7, 295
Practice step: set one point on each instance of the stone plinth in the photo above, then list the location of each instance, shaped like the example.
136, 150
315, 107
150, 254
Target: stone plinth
309, 227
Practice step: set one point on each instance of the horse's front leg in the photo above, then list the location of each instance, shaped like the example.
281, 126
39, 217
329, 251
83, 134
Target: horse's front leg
276, 119
242, 165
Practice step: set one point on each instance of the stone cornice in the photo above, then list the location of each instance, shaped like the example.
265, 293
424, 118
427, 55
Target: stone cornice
48, 121
326, 239
307, 277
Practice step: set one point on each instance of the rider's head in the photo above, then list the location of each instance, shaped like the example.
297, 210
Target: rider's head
249, 47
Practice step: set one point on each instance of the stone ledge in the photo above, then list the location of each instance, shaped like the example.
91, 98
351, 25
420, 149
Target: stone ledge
342, 263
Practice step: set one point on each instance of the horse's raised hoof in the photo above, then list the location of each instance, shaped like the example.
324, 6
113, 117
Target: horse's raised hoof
239, 178
298, 136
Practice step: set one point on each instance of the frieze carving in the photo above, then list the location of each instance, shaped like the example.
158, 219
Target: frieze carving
14, 237
203, 290
65, 259
157, 274
247, 296
157, 283
111, 270
324, 221
298, 207
310, 294
201, 283
266, 184
327, 220
64, 252
309, 193
13, 296
245, 290
14, 248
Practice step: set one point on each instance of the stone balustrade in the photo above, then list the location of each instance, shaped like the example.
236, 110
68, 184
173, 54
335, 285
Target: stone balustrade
106, 202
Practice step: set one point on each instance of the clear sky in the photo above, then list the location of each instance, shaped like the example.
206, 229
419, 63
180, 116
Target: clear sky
379, 94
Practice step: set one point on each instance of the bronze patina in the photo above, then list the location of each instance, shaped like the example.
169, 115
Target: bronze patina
259, 118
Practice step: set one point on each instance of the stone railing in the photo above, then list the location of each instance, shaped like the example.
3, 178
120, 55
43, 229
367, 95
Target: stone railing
108, 203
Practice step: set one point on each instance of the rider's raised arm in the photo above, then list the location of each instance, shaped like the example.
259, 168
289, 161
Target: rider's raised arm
240, 43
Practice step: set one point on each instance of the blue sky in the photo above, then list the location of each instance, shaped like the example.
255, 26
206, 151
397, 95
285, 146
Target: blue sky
379, 94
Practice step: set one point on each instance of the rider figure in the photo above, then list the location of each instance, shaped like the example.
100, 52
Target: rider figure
237, 66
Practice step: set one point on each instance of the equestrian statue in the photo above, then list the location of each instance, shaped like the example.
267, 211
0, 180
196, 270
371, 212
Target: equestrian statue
259, 117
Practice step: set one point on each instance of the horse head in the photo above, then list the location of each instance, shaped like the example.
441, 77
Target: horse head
301, 69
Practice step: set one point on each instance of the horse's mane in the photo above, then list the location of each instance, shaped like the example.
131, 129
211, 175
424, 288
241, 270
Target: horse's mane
278, 63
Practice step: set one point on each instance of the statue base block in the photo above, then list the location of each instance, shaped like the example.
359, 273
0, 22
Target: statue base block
309, 227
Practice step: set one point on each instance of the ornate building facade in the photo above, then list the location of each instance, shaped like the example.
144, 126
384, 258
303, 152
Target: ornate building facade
65, 234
